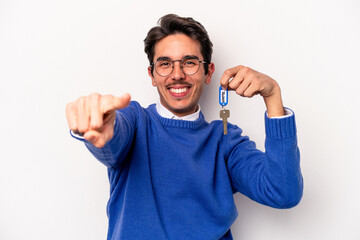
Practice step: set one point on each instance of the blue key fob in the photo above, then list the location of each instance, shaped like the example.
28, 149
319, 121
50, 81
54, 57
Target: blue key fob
223, 96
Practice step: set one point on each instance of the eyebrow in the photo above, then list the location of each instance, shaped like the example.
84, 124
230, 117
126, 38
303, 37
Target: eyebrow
186, 57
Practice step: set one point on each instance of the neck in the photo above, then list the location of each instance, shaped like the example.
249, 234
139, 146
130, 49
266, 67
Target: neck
184, 115
181, 112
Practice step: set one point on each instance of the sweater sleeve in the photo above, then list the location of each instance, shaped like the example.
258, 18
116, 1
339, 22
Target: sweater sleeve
114, 153
272, 178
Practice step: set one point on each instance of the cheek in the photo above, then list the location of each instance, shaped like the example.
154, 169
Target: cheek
158, 82
200, 90
200, 82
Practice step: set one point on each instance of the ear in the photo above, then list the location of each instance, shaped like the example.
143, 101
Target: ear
211, 70
152, 77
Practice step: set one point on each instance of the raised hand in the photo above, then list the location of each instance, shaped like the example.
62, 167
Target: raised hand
94, 116
247, 82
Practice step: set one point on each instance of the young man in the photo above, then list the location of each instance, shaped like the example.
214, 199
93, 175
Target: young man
172, 174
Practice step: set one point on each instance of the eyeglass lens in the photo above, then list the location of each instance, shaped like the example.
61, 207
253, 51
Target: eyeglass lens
164, 67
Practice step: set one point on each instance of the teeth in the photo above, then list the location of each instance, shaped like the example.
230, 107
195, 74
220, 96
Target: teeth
178, 90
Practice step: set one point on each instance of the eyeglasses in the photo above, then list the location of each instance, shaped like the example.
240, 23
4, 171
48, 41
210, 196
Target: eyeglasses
165, 66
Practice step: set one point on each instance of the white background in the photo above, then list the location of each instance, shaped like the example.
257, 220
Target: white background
52, 52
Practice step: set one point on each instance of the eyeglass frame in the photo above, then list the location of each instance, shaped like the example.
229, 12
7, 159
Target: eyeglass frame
173, 64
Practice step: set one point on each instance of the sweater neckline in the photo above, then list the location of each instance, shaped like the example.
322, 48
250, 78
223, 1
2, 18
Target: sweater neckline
178, 123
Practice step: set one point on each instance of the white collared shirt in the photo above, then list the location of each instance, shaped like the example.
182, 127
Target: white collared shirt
165, 113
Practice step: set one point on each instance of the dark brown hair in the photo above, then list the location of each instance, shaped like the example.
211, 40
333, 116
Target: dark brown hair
172, 24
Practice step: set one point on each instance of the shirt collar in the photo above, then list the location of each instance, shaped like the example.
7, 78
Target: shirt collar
165, 113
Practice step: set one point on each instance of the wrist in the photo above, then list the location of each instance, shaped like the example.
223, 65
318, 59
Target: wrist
274, 104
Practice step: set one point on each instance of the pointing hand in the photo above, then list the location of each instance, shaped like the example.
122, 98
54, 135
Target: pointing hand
94, 116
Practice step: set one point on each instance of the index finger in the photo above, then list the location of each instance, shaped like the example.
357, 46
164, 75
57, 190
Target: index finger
111, 103
227, 75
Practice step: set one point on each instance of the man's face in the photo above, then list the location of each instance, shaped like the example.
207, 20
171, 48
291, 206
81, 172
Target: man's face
180, 93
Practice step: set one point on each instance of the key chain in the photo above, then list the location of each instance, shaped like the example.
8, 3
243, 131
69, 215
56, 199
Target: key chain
223, 101
223, 97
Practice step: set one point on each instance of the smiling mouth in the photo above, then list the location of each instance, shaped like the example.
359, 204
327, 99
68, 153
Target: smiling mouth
179, 91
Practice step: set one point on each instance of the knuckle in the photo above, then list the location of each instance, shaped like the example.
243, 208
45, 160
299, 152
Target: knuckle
82, 129
247, 94
250, 74
95, 125
69, 106
228, 72
239, 91
232, 84
73, 127
81, 99
254, 82
69, 109
81, 102
95, 96
245, 69
83, 126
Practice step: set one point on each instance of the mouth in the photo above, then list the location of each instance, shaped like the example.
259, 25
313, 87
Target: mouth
179, 91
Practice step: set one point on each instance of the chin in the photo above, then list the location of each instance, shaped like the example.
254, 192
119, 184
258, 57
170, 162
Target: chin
183, 109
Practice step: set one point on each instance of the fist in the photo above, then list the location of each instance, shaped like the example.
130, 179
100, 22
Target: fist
94, 116
247, 82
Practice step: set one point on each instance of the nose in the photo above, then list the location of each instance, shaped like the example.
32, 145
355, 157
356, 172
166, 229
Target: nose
178, 73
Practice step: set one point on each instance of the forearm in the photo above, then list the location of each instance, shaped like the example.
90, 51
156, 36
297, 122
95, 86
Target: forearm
283, 160
274, 103
112, 154
272, 178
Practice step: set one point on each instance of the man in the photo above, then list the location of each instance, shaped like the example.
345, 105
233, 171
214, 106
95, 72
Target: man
172, 174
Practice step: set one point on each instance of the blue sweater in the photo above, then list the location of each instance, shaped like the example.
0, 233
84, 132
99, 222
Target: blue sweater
175, 179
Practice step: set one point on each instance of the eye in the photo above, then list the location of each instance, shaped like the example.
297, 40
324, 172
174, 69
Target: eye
164, 64
189, 63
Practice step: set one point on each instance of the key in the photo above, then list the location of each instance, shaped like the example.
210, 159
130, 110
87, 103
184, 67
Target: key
224, 114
